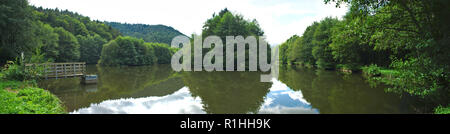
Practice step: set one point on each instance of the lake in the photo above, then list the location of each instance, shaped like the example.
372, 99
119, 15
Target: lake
158, 89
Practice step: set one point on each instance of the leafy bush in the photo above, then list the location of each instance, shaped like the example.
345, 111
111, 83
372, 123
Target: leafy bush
163, 53
372, 70
29, 101
15, 71
127, 51
442, 110
418, 76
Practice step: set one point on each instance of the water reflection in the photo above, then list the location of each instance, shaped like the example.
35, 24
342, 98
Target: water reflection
227, 92
180, 102
115, 83
157, 89
283, 100
331, 92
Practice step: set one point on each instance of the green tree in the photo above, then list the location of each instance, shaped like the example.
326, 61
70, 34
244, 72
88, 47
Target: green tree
90, 48
15, 29
417, 33
284, 52
322, 39
69, 49
306, 45
150, 33
229, 24
46, 39
351, 47
163, 52
127, 51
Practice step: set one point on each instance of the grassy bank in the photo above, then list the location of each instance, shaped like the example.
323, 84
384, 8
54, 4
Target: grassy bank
25, 98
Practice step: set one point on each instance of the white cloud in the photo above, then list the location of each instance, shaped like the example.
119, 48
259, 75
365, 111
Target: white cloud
280, 19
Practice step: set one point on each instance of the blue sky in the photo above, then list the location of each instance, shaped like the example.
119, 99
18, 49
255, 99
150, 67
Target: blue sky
279, 19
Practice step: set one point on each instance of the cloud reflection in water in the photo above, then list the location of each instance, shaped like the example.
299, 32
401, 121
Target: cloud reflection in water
280, 100
180, 102
283, 100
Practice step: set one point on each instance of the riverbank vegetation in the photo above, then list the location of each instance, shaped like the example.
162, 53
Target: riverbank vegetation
135, 52
36, 35
402, 44
409, 39
19, 93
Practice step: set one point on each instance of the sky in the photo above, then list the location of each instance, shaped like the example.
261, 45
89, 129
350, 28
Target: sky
280, 19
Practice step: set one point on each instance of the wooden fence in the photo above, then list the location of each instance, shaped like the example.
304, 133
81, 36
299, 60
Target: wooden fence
61, 70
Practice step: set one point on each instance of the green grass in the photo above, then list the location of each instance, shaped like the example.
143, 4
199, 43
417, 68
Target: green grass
22, 98
442, 110
386, 72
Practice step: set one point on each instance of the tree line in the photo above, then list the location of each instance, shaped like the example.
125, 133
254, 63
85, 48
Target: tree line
150, 33
54, 35
409, 37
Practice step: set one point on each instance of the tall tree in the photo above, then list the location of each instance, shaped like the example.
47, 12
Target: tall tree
90, 48
69, 49
15, 29
47, 40
322, 40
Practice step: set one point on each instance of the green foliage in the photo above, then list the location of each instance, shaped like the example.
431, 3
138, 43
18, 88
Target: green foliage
229, 24
127, 51
284, 52
293, 53
305, 47
17, 71
37, 57
15, 29
163, 52
417, 77
409, 37
372, 70
46, 40
150, 33
76, 23
415, 33
322, 39
90, 48
54, 32
29, 101
313, 48
13, 85
69, 49
442, 110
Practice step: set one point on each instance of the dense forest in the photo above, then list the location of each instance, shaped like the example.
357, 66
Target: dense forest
135, 52
409, 38
150, 33
53, 35
60, 36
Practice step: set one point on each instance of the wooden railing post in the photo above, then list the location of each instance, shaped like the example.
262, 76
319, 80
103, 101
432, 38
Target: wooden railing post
56, 70
45, 71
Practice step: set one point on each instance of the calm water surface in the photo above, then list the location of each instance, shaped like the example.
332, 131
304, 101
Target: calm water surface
158, 89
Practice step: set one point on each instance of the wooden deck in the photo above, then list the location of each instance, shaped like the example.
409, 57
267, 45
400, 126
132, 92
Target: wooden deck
61, 70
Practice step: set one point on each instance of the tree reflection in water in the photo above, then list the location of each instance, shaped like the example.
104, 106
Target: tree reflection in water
227, 92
